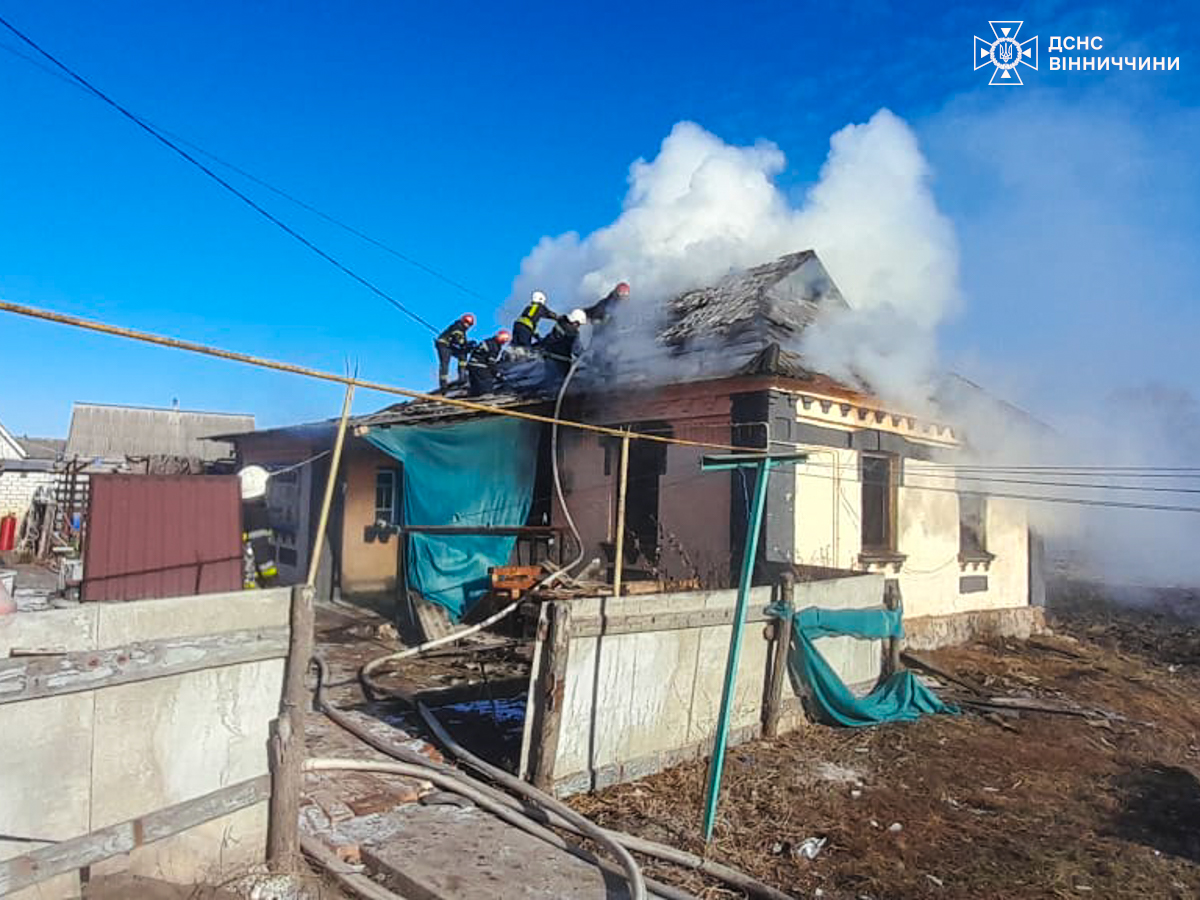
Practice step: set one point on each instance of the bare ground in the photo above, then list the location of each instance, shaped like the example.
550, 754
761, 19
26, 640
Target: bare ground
954, 807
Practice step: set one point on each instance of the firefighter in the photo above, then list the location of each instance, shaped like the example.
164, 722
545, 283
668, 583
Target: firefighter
560, 344
453, 344
603, 308
525, 328
483, 371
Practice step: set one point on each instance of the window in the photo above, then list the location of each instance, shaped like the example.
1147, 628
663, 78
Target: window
878, 505
972, 526
386, 493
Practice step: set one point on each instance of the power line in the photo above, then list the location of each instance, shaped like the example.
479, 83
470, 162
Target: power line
163, 139
474, 406
250, 176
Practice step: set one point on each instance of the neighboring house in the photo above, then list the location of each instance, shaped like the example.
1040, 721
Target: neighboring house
139, 438
877, 493
25, 465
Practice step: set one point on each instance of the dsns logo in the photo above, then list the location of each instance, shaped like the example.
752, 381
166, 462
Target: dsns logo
1005, 53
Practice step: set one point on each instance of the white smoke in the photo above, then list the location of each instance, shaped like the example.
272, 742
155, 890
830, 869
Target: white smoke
702, 208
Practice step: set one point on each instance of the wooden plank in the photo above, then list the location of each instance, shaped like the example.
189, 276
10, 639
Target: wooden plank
26, 678
554, 635
668, 621
76, 853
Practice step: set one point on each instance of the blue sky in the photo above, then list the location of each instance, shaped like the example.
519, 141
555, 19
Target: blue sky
463, 133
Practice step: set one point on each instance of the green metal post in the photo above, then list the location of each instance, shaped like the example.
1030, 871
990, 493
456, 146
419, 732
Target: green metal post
717, 763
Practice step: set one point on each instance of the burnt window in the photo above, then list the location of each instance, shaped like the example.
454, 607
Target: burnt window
878, 504
386, 494
972, 525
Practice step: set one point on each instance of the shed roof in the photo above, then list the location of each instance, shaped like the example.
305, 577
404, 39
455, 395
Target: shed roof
115, 432
41, 448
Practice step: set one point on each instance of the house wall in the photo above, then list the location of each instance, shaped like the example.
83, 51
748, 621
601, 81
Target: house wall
116, 753
828, 515
693, 506
367, 567
17, 490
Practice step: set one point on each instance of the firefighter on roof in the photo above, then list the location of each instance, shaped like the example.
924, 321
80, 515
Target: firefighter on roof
525, 328
453, 344
483, 370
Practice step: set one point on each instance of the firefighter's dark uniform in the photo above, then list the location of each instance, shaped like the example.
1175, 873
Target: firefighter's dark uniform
452, 344
483, 372
559, 344
525, 328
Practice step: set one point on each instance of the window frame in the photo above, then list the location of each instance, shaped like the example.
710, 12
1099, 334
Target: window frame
394, 475
890, 495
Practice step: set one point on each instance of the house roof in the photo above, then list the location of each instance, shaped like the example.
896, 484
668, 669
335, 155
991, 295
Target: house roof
10, 448
748, 323
418, 411
115, 432
42, 448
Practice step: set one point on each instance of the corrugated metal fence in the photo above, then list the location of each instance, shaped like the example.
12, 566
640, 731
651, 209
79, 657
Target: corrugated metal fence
162, 536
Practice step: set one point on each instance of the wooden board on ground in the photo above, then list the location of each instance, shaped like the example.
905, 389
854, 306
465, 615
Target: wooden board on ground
448, 853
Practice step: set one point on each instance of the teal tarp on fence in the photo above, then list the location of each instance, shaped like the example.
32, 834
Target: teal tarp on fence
473, 474
900, 698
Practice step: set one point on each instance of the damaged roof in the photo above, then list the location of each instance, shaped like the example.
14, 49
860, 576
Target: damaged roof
416, 411
748, 323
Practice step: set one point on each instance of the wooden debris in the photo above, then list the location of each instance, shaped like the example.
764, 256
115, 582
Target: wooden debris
914, 661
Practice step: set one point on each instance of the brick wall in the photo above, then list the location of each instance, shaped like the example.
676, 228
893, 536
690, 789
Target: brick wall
16, 490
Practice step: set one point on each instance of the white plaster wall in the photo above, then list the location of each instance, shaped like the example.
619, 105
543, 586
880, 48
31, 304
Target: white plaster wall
124, 751
629, 697
827, 508
829, 533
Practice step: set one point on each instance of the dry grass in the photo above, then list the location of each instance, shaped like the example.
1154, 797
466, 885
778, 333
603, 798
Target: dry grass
1060, 807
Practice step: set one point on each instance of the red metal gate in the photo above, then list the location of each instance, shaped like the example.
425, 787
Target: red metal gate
162, 536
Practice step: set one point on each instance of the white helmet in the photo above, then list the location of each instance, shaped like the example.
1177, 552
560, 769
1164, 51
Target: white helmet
577, 317
537, 297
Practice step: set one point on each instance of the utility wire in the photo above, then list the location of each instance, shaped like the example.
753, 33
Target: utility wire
250, 176
163, 139
475, 406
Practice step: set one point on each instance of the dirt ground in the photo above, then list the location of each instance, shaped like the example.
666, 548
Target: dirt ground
1032, 806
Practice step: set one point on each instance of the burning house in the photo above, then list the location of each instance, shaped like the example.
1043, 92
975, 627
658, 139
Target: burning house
877, 493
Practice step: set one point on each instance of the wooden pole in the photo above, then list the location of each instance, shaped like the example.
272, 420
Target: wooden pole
330, 484
891, 599
781, 642
287, 749
554, 634
622, 483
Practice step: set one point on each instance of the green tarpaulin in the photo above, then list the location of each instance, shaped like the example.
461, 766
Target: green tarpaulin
473, 474
901, 697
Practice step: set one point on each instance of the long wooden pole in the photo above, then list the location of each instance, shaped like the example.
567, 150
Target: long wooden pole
287, 749
622, 484
330, 484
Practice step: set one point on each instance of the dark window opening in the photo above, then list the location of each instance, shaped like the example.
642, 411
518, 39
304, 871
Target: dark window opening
647, 465
386, 495
878, 505
972, 525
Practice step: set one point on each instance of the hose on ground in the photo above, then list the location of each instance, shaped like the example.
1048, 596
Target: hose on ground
412, 757
485, 801
552, 806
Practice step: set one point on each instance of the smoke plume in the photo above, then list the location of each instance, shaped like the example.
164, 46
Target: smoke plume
702, 208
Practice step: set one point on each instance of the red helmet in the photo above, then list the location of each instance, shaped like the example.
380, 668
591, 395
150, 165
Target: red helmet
623, 289
469, 318
503, 336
